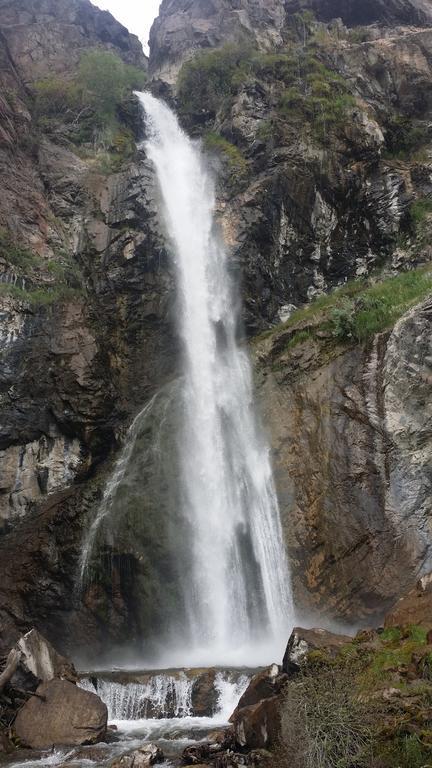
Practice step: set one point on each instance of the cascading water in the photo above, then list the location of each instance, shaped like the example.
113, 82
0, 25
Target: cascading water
237, 591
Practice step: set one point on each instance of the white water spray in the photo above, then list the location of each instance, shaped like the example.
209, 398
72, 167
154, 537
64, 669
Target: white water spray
237, 594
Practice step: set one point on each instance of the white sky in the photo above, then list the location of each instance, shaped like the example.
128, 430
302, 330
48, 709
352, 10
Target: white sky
136, 15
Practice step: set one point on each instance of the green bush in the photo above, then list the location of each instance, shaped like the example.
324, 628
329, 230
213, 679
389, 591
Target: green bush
89, 103
105, 80
211, 76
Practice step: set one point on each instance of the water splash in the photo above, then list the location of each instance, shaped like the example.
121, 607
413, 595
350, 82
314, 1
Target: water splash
165, 696
237, 591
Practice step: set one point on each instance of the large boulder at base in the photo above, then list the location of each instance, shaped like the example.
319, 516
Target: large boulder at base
258, 726
264, 684
415, 607
40, 662
144, 756
303, 641
61, 713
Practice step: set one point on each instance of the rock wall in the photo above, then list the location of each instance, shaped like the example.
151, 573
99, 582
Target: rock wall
75, 368
351, 439
349, 423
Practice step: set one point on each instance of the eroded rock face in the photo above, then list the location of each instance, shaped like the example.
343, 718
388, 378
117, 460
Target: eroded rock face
303, 641
367, 12
414, 608
350, 435
61, 714
48, 36
183, 27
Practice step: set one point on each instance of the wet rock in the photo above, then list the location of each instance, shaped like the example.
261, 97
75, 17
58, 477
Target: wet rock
61, 713
304, 641
195, 754
144, 756
267, 683
205, 695
258, 725
413, 608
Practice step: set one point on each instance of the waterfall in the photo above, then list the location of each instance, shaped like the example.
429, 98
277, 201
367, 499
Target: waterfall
237, 589
165, 695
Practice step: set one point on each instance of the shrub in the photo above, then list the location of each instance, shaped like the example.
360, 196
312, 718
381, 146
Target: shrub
56, 97
324, 723
90, 102
211, 76
105, 80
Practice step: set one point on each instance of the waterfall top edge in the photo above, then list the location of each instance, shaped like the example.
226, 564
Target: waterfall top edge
118, 673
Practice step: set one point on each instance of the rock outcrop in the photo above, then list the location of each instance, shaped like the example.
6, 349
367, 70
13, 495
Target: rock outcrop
350, 434
61, 713
413, 608
182, 28
324, 178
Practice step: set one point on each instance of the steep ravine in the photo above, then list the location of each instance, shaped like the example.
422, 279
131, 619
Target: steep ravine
303, 210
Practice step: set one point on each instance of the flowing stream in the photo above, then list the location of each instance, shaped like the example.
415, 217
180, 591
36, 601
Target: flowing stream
236, 595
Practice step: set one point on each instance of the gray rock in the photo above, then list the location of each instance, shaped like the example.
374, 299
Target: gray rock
61, 713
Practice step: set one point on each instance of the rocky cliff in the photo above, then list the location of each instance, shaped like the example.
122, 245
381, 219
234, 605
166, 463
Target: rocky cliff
317, 119
85, 294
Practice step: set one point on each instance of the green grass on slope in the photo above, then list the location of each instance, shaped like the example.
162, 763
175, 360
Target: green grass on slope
359, 309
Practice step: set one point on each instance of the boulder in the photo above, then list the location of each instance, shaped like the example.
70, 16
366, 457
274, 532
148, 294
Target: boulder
61, 713
266, 683
144, 756
40, 662
415, 607
258, 726
205, 695
303, 641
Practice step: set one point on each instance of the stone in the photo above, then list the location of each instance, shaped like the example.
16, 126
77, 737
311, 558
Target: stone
266, 683
258, 725
143, 757
61, 714
303, 641
41, 661
205, 695
414, 607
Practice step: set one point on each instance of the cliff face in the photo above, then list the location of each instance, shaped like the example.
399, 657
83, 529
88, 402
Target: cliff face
86, 291
320, 134
323, 144
351, 436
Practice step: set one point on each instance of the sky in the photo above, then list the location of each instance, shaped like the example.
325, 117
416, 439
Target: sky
136, 15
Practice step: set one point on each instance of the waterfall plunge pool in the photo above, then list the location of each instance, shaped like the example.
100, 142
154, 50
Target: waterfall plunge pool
158, 706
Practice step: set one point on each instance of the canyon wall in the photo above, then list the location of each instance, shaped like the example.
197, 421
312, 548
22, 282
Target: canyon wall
319, 184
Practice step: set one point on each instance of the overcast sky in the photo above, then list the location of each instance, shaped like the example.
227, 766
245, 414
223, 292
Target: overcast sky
136, 15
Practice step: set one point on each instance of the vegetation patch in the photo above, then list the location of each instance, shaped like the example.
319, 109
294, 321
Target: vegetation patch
89, 106
232, 156
369, 707
303, 87
36, 280
359, 309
